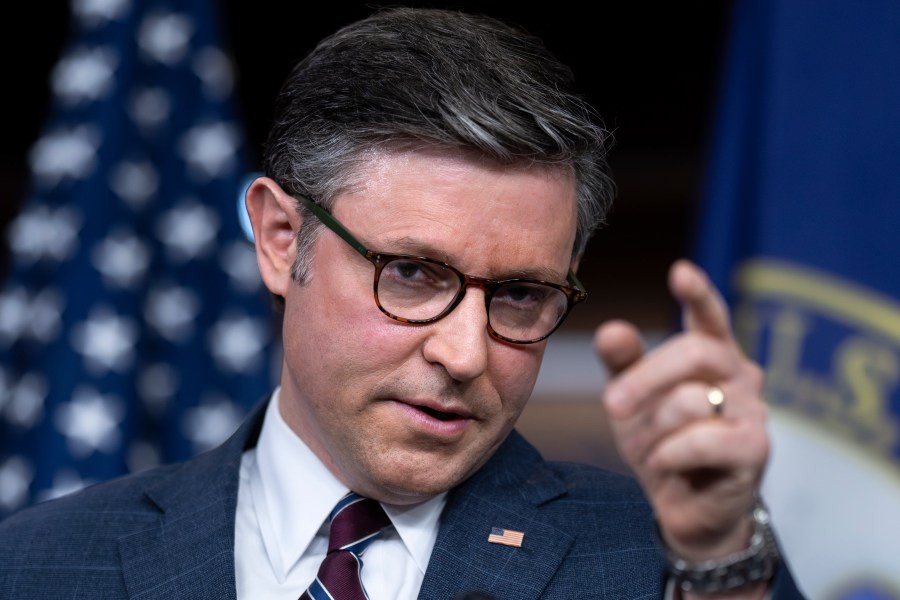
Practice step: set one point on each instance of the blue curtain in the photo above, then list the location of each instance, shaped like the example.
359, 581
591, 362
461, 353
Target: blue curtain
799, 226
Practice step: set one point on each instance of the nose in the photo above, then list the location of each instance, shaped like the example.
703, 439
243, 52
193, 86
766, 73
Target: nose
459, 341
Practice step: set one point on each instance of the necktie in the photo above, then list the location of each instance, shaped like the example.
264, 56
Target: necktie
355, 521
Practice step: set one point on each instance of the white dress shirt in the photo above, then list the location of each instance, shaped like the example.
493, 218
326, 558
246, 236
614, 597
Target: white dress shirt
285, 495
281, 536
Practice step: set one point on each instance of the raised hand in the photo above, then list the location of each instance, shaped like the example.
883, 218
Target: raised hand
700, 465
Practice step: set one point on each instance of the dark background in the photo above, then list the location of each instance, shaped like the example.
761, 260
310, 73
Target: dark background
650, 68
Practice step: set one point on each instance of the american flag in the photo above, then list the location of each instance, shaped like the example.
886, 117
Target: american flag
507, 537
134, 329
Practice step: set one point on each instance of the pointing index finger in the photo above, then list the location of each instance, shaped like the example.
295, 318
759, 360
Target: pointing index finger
703, 308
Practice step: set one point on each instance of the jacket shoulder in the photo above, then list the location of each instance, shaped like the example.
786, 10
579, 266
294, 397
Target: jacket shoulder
116, 504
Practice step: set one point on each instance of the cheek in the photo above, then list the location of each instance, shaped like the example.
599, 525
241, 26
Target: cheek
513, 373
364, 343
371, 333
325, 328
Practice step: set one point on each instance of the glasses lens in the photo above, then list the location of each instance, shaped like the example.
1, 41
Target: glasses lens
416, 290
524, 311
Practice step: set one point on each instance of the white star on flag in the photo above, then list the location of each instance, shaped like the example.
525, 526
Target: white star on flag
16, 474
25, 406
236, 343
90, 422
134, 182
150, 107
164, 37
239, 260
37, 317
94, 13
14, 309
122, 258
188, 230
45, 318
85, 75
45, 233
170, 310
105, 340
209, 149
65, 154
25, 401
210, 424
156, 384
215, 71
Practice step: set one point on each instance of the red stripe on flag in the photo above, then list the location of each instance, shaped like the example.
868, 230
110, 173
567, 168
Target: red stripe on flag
507, 537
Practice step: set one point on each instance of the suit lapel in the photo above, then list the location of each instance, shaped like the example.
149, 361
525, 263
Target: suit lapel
505, 493
189, 552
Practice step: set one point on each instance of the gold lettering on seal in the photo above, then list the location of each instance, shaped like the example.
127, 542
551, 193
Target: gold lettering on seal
869, 371
793, 319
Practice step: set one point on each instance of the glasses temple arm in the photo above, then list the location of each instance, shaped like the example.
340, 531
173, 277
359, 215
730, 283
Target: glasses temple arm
333, 224
575, 281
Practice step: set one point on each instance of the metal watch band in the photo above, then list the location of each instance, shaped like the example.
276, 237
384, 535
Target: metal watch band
750, 566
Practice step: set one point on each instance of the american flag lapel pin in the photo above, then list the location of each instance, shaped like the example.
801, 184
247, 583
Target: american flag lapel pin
507, 537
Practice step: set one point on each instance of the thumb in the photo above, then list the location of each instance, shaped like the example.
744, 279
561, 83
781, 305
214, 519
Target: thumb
619, 345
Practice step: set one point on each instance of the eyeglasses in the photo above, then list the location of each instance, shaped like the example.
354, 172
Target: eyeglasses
416, 289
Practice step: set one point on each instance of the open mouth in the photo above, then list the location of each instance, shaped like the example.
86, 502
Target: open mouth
438, 414
427, 417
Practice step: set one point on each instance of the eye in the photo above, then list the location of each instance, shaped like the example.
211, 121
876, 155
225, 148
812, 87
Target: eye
410, 272
523, 296
406, 269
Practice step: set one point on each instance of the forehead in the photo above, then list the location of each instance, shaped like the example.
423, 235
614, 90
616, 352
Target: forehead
484, 217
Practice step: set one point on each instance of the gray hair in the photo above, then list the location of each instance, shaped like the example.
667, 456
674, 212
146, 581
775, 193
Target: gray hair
408, 77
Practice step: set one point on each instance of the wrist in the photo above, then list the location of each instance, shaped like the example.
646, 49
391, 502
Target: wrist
712, 544
743, 569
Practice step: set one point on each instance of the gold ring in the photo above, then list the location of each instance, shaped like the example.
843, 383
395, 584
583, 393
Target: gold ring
716, 398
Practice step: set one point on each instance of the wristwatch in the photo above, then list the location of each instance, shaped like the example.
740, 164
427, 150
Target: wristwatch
754, 564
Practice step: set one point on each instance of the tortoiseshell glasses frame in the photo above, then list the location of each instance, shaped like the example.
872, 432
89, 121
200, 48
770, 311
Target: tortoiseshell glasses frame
420, 290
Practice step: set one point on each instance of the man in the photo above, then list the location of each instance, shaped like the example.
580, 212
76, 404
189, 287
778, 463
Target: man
449, 155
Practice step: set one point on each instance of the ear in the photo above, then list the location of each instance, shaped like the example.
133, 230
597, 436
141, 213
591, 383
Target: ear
273, 215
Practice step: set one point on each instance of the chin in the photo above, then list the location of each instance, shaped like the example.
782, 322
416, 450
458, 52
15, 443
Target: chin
419, 486
410, 483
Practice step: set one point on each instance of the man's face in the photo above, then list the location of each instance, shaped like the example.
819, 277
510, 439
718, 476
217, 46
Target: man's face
402, 412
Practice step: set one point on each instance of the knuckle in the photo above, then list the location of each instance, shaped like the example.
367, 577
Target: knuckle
694, 351
754, 374
704, 357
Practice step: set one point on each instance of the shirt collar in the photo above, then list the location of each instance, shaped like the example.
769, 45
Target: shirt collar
293, 494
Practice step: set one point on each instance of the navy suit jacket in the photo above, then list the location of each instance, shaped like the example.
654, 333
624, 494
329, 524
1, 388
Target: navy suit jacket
168, 533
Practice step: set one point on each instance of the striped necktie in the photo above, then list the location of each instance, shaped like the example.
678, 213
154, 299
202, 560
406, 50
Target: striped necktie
355, 522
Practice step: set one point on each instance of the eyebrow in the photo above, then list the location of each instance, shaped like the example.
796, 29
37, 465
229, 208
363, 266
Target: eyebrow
417, 247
